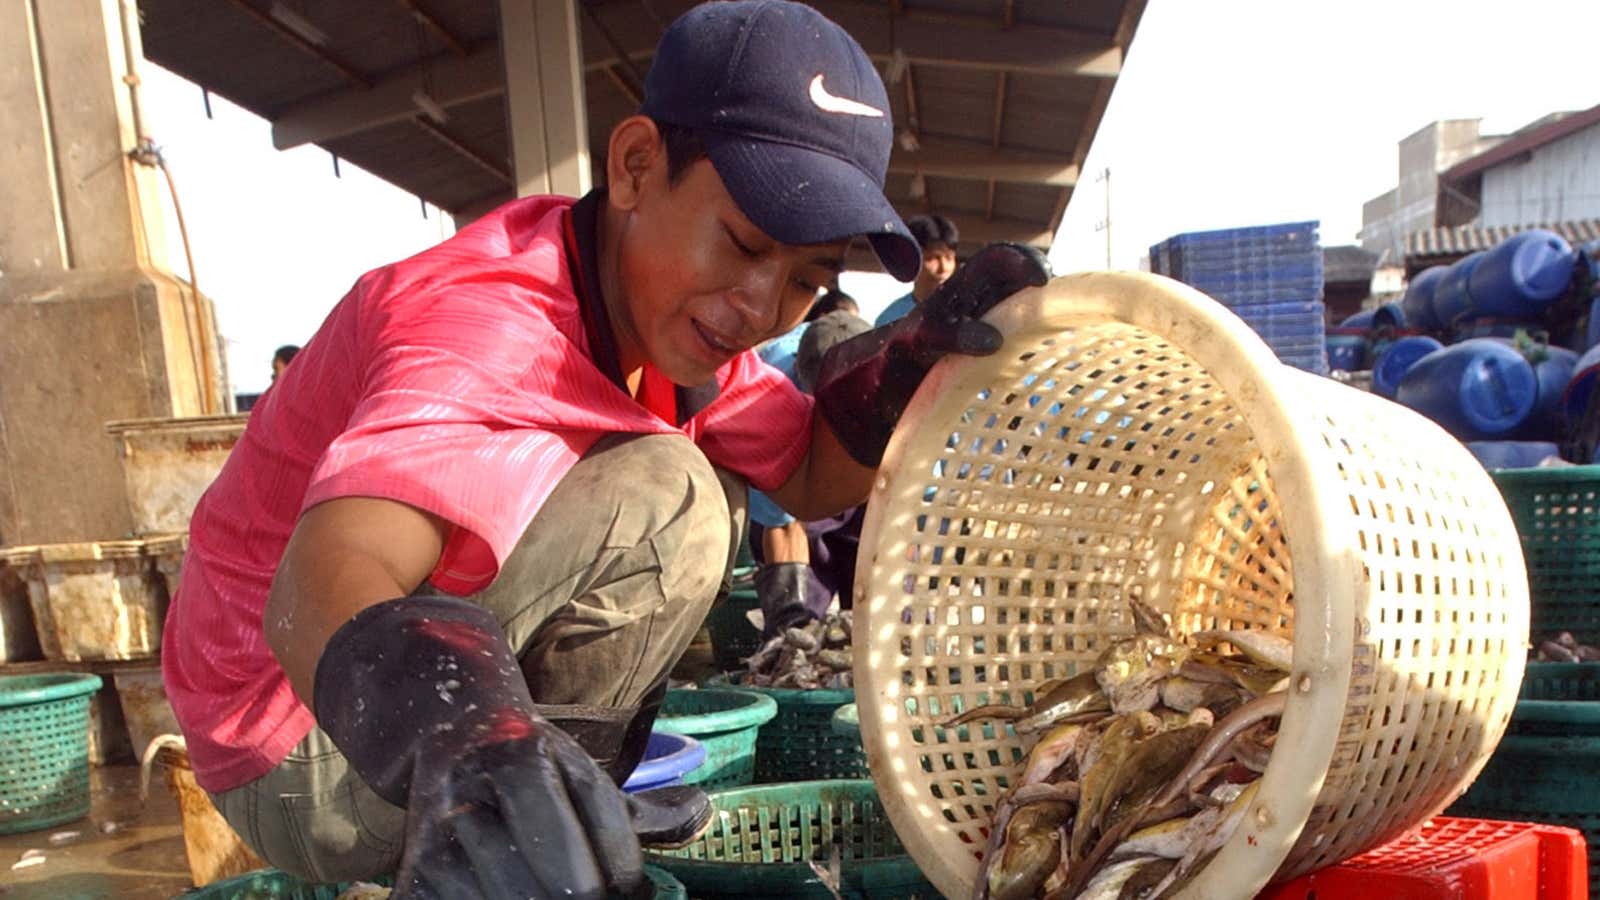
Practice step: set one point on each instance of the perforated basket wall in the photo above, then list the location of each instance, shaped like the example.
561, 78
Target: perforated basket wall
1134, 438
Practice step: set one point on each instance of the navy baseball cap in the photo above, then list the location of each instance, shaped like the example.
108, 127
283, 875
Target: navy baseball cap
794, 118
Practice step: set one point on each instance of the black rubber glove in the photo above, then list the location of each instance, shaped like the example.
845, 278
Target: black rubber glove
427, 702
782, 589
867, 381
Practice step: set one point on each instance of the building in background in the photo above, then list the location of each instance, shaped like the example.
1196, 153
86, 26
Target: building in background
1461, 191
1413, 204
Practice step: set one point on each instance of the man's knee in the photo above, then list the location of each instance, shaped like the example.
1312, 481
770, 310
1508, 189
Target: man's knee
687, 501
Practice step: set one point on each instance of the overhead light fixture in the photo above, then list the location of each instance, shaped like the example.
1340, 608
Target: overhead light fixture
429, 107
908, 140
919, 186
297, 23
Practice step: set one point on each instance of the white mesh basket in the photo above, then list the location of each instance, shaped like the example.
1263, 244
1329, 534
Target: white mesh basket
1134, 438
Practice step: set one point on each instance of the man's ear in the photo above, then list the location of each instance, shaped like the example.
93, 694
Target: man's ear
634, 150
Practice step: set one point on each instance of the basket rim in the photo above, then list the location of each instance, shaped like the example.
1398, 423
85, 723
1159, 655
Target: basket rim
28, 690
1559, 712
757, 710
1547, 475
796, 696
779, 874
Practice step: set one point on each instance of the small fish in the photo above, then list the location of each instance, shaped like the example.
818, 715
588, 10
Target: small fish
1030, 851
1263, 647
1204, 843
1052, 750
1220, 736
1131, 670
1076, 697
1109, 882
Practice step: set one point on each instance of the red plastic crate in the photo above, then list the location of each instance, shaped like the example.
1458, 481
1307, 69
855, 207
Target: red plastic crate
1456, 859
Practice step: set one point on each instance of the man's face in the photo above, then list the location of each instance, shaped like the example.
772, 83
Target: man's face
938, 264
701, 283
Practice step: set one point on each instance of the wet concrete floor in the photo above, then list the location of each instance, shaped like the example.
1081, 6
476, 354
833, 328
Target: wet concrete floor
122, 850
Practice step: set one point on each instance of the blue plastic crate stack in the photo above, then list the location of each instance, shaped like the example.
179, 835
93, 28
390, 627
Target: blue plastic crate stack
1269, 275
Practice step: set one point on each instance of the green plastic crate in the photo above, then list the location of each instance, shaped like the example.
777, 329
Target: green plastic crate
44, 749
762, 839
1544, 769
800, 744
1557, 512
272, 884
726, 722
733, 638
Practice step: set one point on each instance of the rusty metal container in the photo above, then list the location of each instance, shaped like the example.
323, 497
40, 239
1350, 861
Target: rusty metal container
95, 600
168, 463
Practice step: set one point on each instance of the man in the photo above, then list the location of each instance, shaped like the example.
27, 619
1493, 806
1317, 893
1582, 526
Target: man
937, 236
430, 603
281, 359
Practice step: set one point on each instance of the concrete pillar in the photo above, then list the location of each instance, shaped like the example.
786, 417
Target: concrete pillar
94, 328
549, 130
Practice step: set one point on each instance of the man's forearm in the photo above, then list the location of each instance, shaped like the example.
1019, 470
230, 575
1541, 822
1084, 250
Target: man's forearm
827, 482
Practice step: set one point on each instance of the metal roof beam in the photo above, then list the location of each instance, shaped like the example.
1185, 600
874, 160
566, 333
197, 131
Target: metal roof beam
976, 231
927, 38
949, 158
453, 80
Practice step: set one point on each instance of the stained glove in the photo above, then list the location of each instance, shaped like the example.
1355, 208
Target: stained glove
427, 702
781, 588
867, 381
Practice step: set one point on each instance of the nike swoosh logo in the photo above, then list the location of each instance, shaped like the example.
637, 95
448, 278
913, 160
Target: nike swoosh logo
835, 104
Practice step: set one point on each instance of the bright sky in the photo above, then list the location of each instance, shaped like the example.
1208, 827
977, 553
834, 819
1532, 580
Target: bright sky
1227, 113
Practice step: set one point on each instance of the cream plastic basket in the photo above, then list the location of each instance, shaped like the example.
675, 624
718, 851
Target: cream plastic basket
1133, 438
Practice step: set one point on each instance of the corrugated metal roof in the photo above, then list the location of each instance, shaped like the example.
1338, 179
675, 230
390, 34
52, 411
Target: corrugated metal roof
1464, 239
1007, 94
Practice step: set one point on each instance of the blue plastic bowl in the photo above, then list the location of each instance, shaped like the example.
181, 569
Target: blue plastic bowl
667, 758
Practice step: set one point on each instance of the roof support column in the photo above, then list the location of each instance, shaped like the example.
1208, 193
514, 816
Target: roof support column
547, 125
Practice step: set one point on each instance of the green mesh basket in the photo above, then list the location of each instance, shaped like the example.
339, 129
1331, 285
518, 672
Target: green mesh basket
271, 884
800, 743
733, 638
1557, 512
725, 722
44, 749
1544, 769
762, 840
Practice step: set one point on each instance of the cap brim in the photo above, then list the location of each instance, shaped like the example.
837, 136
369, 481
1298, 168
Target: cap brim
802, 196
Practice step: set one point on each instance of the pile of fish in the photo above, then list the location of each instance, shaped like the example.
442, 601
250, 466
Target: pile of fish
807, 658
1565, 648
1142, 767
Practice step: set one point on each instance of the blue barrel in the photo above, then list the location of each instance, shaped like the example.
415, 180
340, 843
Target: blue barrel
1512, 454
1554, 372
1389, 315
1347, 348
1452, 299
1362, 319
1477, 390
1418, 301
1584, 375
1589, 258
1522, 275
667, 758
1392, 363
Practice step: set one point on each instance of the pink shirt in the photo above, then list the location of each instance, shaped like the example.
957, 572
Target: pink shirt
460, 381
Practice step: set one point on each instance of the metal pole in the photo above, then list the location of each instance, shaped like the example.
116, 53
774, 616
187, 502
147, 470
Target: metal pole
1107, 177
